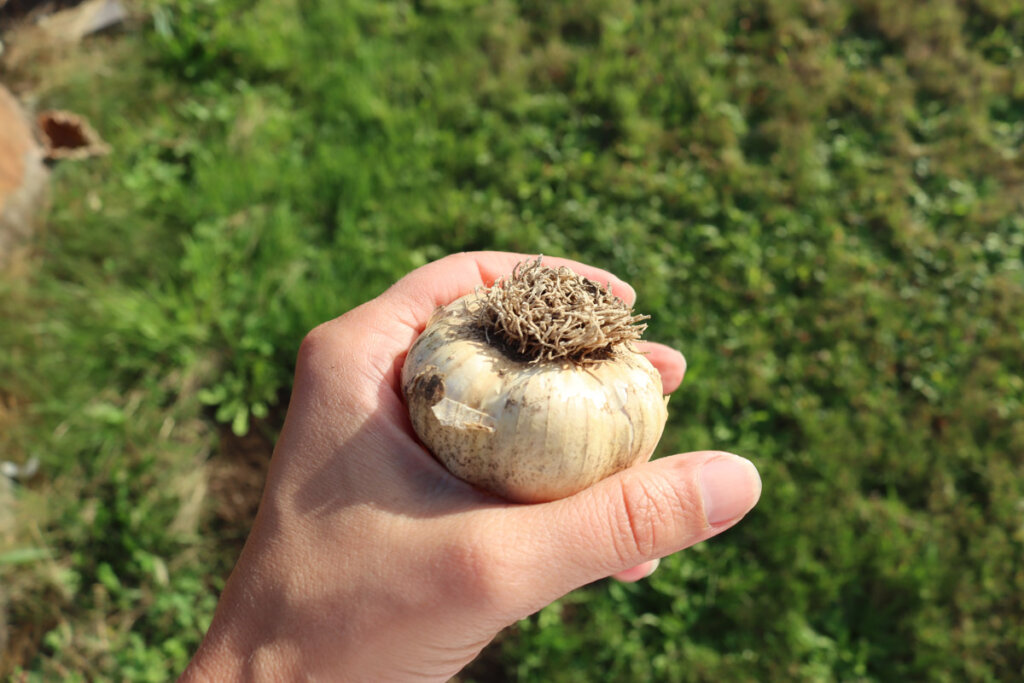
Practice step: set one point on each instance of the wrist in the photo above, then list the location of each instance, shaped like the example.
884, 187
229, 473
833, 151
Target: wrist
242, 645
248, 638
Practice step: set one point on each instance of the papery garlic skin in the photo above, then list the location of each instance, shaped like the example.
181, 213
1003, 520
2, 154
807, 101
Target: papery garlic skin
528, 432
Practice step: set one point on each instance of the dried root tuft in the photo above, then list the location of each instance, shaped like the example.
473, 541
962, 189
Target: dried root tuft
547, 314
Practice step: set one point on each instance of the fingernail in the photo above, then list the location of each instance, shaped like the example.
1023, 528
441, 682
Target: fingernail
624, 291
650, 570
731, 486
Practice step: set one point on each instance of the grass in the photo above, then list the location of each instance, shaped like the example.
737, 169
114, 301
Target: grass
819, 202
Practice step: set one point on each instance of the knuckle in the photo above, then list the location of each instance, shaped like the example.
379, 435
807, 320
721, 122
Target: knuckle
478, 574
312, 345
320, 356
645, 515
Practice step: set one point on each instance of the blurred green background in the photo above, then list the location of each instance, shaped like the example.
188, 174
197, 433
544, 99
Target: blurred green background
820, 202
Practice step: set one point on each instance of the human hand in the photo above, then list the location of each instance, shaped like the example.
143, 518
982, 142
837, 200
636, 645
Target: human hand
368, 561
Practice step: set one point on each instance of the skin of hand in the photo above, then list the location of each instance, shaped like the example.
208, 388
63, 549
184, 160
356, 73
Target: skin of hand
368, 561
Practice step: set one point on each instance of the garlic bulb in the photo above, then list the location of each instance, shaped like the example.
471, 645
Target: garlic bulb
531, 389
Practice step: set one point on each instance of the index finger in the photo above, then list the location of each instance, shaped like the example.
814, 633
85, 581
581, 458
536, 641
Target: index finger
439, 283
381, 331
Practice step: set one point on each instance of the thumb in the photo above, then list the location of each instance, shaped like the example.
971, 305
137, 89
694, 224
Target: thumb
643, 513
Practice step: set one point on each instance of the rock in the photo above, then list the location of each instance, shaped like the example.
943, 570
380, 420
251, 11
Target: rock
24, 186
72, 24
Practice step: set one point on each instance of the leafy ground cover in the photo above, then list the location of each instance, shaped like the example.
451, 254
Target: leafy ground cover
820, 202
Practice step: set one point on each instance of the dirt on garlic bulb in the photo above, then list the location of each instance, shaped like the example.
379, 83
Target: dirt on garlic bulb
531, 389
